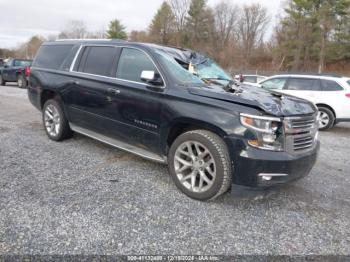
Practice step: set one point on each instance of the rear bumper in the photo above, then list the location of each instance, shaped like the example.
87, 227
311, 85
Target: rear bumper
259, 168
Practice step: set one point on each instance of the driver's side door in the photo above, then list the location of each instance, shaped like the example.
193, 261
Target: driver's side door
138, 104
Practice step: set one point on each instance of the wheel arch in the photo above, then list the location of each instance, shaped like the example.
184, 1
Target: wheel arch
183, 125
47, 94
327, 106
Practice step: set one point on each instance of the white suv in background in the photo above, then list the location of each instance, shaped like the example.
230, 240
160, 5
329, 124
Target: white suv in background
331, 94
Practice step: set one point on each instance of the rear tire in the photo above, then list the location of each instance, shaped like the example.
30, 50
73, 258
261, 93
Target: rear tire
326, 118
2, 82
200, 165
21, 81
55, 122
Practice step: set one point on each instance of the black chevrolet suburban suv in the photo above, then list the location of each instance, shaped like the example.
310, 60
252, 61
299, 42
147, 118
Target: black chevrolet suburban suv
177, 107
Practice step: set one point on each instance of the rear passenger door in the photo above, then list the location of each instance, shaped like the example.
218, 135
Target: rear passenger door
87, 97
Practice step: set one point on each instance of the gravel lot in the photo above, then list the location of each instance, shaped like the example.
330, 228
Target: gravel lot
83, 197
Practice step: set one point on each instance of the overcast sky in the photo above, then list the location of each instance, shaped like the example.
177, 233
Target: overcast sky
21, 19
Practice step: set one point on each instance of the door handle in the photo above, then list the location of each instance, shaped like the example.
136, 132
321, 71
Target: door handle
113, 91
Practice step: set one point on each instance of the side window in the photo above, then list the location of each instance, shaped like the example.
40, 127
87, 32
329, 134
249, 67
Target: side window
328, 85
276, 83
250, 79
52, 56
131, 64
304, 84
98, 60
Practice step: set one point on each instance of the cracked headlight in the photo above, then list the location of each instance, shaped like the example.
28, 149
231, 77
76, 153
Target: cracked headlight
265, 132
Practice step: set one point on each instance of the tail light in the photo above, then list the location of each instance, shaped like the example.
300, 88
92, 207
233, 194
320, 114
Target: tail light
27, 71
347, 95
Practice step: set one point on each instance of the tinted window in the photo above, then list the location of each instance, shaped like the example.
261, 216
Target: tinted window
276, 83
52, 56
328, 85
98, 60
131, 64
23, 63
250, 79
305, 84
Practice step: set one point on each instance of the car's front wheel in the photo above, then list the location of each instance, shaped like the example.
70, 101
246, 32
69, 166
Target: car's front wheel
55, 122
326, 118
199, 164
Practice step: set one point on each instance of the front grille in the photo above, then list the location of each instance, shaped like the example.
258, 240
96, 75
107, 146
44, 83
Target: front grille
303, 143
303, 123
300, 133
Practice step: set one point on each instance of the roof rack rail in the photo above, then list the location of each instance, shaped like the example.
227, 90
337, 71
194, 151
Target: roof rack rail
310, 74
90, 39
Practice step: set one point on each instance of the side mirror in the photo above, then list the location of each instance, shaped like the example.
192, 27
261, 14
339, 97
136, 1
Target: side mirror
152, 78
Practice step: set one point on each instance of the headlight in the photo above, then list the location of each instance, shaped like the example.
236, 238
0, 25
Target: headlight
266, 132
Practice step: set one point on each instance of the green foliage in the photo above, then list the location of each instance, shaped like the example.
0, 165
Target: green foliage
162, 26
116, 30
314, 32
200, 22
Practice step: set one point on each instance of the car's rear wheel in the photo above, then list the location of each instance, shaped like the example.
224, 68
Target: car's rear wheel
21, 81
55, 122
2, 82
199, 164
326, 118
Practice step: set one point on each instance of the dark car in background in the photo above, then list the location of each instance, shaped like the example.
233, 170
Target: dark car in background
15, 70
176, 107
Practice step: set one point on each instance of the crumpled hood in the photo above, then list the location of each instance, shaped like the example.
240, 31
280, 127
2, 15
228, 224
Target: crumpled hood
272, 103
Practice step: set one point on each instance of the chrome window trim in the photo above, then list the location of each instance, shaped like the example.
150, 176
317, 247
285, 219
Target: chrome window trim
115, 78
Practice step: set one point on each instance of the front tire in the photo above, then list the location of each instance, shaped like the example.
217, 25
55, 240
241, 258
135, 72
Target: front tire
200, 165
326, 118
55, 122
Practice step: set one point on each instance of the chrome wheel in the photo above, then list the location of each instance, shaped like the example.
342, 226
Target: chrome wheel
52, 120
195, 166
323, 119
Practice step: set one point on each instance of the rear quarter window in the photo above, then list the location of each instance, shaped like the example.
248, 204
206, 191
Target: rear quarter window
52, 56
329, 85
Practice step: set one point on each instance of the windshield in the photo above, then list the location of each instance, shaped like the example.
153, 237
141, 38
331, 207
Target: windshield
210, 70
177, 71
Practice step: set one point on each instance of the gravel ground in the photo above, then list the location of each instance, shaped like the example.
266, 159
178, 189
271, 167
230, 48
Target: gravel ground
83, 197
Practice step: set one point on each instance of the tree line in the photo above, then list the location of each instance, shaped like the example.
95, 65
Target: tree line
308, 36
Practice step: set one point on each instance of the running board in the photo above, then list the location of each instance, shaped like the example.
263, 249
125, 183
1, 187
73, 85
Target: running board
119, 144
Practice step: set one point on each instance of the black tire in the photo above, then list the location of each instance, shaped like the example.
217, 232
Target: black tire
21, 81
64, 130
2, 82
324, 110
218, 150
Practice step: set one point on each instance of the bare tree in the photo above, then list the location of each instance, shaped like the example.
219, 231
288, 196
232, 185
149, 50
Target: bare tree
180, 10
75, 29
226, 17
252, 27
